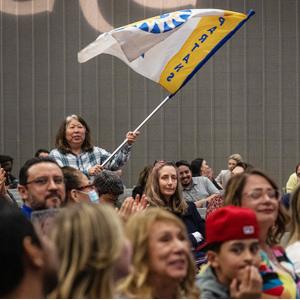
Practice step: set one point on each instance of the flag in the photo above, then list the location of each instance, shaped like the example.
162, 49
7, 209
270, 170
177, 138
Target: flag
169, 49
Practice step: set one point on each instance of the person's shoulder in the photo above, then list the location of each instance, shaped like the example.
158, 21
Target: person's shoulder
209, 285
192, 210
293, 176
97, 149
277, 248
205, 273
191, 205
205, 180
55, 150
294, 247
200, 179
55, 153
279, 252
224, 172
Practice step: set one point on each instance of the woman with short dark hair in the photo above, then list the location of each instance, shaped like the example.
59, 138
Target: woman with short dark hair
74, 148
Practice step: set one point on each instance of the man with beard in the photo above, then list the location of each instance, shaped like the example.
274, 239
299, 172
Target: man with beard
196, 189
41, 185
29, 264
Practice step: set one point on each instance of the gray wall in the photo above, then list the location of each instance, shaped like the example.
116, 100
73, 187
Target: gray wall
245, 100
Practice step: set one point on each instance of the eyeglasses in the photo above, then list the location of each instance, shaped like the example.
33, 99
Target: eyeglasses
258, 193
88, 186
298, 174
42, 181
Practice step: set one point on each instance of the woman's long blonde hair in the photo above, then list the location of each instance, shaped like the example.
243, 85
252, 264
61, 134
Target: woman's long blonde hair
136, 284
89, 239
295, 216
177, 203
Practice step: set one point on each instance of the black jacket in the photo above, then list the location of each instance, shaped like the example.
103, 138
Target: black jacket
194, 223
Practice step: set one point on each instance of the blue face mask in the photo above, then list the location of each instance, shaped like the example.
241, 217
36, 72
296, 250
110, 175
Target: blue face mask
93, 195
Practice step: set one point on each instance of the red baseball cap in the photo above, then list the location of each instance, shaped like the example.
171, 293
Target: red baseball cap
231, 223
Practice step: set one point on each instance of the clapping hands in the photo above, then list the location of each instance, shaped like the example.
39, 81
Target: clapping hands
132, 205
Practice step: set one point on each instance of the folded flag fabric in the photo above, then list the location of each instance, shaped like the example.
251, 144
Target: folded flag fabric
169, 49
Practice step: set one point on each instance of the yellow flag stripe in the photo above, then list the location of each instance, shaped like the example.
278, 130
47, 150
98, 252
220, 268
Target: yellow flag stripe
210, 31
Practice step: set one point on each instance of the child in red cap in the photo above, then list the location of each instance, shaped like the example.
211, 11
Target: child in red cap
233, 255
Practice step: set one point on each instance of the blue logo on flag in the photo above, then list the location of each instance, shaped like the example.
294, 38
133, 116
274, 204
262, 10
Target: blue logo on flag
165, 22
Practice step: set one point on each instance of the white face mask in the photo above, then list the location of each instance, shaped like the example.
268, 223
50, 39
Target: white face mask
93, 195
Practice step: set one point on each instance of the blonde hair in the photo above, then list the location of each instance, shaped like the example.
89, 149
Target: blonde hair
295, 217
136, 284
237, 157
89, 239
177, 203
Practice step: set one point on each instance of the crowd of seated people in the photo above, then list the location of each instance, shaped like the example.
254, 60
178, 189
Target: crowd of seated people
71, 238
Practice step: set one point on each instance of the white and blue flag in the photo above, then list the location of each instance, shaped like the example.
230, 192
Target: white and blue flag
169, 49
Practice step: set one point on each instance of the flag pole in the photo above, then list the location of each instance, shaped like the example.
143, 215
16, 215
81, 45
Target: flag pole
139, 127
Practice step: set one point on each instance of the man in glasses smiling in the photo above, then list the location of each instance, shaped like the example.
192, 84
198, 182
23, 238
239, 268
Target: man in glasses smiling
41, 185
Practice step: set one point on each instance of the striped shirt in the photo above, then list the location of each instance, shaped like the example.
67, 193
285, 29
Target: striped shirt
85, 160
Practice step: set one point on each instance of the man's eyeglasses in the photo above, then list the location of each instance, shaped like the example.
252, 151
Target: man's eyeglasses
42, 181
258, 193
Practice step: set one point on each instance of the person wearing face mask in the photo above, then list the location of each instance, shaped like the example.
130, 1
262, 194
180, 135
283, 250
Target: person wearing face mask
78, 187
75, 149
